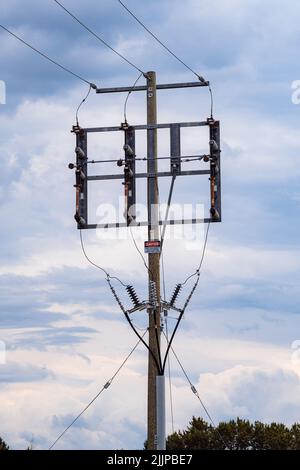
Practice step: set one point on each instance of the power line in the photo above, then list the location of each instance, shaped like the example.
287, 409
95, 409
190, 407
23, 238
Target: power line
98, 37
198, 273
186, 158
170, 52
195, 392
139, 251
108, 276
202, 257
161, 43
105, 386
92, 85
211, 102
81, 103
129, 93
108, 279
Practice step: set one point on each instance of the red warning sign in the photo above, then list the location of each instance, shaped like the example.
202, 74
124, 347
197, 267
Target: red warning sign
152, 246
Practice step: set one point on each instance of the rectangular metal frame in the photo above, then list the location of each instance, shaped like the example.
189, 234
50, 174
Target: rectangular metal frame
82, 138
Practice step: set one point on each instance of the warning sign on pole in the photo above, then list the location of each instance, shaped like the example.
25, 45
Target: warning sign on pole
152, 246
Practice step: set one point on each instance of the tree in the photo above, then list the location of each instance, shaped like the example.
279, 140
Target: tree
3, 445
236, 434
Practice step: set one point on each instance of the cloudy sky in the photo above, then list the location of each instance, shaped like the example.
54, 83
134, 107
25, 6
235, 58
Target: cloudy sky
63, 333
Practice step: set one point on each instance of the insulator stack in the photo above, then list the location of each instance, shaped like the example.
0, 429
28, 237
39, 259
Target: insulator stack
133, 296
152, 294
191, 293
175, 294
116, 297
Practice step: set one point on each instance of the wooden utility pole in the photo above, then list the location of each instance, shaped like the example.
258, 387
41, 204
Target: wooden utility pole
153, 258
156, 386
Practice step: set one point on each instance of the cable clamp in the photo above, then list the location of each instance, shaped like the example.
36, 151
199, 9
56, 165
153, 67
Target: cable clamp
202, 80
107, 384
77, 130
142, 306
124, 126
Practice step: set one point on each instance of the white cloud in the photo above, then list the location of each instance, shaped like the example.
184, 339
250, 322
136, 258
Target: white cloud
236, 350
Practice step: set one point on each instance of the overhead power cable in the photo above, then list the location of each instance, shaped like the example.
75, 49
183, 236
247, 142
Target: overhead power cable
211, 102
161, 43
170, 52
98, 37
105, 387
127, 97
197, 273
81, 103
92, 85
201, 259
108, 279
108, 276
195, 392
139, 251
178, 321
187, 158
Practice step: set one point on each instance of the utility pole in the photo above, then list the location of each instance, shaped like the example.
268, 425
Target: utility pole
156, 438
153, 258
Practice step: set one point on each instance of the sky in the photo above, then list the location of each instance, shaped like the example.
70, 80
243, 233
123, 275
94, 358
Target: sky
62, 334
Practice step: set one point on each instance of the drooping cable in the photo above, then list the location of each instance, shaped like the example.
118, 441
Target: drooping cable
105, 386
163, 274
161, 43
97, 265
180, 318
211, 102
81, 103
201, 259
92, 85
108, 278
98, 37
127, 97
139, 251
195, 392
